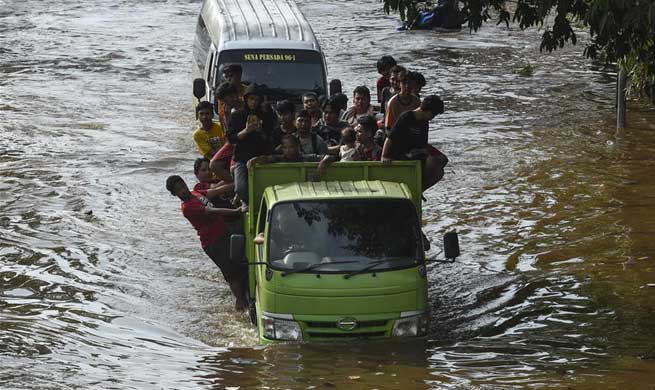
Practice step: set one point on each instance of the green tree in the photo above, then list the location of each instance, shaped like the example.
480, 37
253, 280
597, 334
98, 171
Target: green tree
622, 31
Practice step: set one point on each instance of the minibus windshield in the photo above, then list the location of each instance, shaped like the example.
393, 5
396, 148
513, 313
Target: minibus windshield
285, 74
344, 235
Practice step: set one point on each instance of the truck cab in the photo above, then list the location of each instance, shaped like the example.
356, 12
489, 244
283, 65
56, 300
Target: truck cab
340, 258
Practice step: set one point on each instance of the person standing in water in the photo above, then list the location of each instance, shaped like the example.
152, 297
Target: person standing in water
214, 237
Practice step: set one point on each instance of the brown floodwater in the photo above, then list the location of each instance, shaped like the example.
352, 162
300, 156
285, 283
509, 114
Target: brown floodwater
103, 283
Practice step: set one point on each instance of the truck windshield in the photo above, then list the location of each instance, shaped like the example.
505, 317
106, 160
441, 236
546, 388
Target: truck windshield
344, 235
286, 74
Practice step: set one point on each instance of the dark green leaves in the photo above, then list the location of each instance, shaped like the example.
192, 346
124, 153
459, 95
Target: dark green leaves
621, 31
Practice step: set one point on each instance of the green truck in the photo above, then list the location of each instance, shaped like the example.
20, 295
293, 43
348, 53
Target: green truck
340, 258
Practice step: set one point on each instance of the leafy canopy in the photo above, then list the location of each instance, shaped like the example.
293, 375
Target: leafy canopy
621, 31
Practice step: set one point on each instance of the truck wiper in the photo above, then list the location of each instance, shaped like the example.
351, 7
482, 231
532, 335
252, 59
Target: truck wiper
368, 267
316, 265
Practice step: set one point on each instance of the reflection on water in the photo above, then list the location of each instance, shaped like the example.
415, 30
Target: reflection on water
103, 283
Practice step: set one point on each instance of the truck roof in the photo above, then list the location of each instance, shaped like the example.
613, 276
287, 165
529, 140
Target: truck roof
362, 189
262, 24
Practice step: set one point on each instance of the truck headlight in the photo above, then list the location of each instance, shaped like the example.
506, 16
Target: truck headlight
281, 329
411, 324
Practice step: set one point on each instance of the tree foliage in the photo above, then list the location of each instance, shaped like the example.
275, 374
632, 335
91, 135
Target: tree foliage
622, 31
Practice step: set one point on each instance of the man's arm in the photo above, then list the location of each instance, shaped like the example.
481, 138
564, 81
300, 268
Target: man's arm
203, 145
259, 160
325, 161
386, 151
222, 189
239, 128
390, 114
333, 149
321, 145
223, 212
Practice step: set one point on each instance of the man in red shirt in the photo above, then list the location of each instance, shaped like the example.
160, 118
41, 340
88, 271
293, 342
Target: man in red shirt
214, 235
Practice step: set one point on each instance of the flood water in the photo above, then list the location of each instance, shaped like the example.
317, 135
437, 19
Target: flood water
103, 283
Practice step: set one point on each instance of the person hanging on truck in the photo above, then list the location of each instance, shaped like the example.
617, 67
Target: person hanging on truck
418, 85
330, 126
408, 140
231, 76
403, 100
209, 137
310, 142
251, 133
228, 100
218, 192
212, 230
222, 163
384, 65
398, 72
361, 105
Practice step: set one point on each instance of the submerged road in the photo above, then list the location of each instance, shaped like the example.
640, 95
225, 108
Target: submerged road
103, 283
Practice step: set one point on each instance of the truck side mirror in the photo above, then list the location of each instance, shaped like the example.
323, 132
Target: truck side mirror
237, 247
199, 88
451, 245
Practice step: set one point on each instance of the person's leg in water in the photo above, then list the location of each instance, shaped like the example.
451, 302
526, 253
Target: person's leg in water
234, 272
433, 169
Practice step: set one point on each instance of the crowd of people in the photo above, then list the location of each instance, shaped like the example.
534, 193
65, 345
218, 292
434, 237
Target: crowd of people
252, 130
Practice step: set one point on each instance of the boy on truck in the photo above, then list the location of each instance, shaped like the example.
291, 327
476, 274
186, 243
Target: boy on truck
384, 65
330, 126
310, 142
217, 191
366, 148
251, 133
286, 118
209, 137
290, 153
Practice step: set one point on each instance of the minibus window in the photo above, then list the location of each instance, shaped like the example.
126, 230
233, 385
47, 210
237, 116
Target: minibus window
201, 44
210, 68
284, 73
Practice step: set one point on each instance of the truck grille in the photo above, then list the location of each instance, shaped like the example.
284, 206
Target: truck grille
333, 325
334, 335
329, 330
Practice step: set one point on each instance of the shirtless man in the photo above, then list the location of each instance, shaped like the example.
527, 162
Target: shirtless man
408, 140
